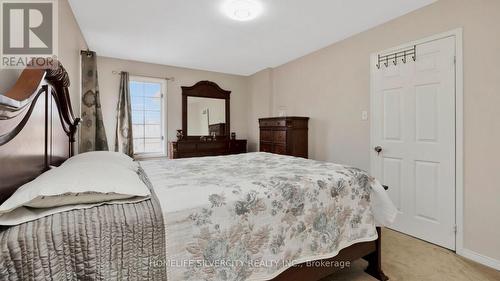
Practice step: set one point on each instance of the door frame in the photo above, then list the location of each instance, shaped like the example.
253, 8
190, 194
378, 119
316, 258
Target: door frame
459, 122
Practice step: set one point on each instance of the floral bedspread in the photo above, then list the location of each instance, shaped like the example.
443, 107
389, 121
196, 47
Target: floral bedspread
252, 216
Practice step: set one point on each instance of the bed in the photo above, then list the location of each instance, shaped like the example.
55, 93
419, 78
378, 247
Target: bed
255, 216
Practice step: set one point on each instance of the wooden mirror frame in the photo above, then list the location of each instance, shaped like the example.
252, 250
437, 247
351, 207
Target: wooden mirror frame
204, 89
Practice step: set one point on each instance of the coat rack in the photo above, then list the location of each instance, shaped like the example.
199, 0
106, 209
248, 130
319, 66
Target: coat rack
394, 57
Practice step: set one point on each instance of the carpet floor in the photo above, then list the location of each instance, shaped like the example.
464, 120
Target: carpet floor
409, 259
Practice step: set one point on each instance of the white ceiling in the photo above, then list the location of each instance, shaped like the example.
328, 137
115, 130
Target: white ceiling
196, 34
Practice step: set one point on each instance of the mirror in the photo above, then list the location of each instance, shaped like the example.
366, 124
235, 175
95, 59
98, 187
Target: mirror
205, 111
206, 116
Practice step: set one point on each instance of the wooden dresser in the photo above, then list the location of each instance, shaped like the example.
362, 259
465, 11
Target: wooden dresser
198, 148
284, 135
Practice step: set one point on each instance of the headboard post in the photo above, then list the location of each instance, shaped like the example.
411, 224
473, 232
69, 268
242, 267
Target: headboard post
47, 133
58, 79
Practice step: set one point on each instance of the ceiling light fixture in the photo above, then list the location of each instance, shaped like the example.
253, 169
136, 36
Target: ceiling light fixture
242, 10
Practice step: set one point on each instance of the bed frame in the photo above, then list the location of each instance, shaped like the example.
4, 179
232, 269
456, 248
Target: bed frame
42, 134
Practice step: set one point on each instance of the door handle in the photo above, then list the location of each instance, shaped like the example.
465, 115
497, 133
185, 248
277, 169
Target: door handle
378, 149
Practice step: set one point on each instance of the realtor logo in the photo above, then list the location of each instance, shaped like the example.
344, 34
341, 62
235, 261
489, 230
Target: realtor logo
29, 32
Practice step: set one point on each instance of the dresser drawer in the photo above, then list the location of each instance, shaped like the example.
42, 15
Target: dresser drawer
273, 123
266, 135
280, 149
280, 137
280, 123
186, 146
266, 147
211, 146
237, 146
199, 148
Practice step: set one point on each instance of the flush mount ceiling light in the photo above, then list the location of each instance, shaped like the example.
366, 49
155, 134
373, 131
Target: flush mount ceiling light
242, 10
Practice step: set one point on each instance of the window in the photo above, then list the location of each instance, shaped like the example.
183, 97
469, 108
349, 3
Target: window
148, 116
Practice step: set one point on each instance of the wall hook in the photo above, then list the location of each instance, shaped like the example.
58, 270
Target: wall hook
394, 57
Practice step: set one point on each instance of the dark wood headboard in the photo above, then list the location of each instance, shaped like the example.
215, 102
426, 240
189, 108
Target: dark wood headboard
39, 133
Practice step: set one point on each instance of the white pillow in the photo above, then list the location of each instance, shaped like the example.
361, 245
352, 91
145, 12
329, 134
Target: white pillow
111, 157
78, 183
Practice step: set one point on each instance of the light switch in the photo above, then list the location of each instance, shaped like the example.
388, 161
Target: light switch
364, 115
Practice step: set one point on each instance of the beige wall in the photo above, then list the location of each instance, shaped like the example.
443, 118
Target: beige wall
71, 41
332, 87
109, 82
260, 89
7, 79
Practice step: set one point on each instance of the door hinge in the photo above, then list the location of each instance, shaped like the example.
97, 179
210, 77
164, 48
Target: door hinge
455, 229
455, 59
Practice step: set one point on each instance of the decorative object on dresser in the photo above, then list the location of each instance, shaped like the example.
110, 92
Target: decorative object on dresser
205, 123
284, 135
180, 135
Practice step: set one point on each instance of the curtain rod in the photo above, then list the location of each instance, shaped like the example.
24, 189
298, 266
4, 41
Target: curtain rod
165, 78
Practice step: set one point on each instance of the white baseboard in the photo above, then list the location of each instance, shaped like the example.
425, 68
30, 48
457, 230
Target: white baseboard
484, 260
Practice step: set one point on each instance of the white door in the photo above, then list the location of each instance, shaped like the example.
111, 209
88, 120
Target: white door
413, 121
